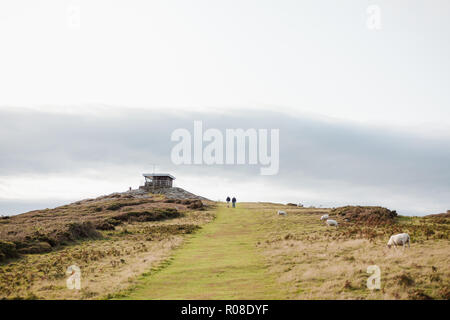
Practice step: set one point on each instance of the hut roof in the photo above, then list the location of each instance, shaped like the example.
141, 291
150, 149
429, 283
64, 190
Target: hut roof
151, 175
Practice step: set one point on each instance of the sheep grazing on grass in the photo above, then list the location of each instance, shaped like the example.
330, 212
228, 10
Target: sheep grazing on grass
332, 222
324, 217
400, 239
281, 213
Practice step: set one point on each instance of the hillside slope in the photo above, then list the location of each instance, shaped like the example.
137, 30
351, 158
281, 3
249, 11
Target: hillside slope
111, 238
252, 253
165, 248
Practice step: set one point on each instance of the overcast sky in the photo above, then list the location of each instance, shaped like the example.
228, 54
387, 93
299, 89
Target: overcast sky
90, 92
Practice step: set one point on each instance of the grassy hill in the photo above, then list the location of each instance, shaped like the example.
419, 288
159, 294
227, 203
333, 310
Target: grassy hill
113, 239
180, 249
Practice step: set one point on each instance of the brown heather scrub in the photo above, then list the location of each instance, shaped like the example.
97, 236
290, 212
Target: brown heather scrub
314, 261
42, 230
366, 215
116, 247
112, 239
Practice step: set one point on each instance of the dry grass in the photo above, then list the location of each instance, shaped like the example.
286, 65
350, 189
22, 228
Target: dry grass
142, 237
44, 230
218, 262
318, 262
303, 256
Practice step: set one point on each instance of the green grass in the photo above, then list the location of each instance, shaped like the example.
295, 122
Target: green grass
221, 261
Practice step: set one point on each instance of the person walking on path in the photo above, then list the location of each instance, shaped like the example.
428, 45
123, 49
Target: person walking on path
228, 202
234, 202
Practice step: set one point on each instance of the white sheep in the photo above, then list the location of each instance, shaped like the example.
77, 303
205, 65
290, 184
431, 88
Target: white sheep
324, 217
332, 222
281, 213
400, 239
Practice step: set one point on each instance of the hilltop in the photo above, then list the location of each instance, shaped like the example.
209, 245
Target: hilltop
43, 230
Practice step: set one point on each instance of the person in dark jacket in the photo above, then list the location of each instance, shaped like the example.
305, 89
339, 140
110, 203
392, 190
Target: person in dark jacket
228, 202
234, 202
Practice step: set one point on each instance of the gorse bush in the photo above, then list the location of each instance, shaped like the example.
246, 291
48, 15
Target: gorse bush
366, 214
154, 215
7, 250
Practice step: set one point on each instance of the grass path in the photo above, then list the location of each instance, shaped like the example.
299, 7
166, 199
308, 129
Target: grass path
221, 261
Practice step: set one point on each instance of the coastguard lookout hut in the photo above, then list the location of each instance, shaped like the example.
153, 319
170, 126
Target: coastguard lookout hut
158, 180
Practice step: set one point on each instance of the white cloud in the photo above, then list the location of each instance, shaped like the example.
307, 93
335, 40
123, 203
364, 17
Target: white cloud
364, 115
47, 155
